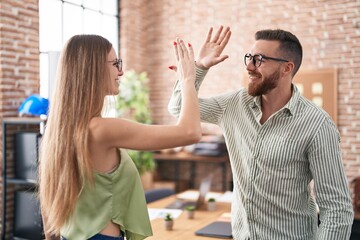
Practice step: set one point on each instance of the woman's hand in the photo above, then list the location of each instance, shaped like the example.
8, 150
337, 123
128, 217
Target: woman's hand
185, 61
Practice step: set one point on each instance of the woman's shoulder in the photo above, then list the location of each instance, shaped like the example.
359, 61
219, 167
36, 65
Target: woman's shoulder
100, 127
96, 128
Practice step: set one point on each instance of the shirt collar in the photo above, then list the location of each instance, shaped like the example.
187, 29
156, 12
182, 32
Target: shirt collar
291, 105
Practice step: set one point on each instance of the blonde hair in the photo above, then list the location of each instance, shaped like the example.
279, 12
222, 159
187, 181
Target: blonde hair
65, 165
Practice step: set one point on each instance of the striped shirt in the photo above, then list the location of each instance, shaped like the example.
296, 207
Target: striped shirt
273, 163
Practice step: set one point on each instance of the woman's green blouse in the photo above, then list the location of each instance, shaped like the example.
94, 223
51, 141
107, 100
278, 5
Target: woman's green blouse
117, 196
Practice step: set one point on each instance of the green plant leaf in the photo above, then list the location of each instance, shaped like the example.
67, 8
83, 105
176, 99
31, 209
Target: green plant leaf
168, 217
143, 161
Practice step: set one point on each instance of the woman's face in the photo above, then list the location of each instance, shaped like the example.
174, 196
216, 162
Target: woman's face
115, 70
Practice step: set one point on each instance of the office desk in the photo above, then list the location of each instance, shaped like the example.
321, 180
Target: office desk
176, 158
184, 229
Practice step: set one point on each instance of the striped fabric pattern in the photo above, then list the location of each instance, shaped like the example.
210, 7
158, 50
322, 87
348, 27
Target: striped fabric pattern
272, 165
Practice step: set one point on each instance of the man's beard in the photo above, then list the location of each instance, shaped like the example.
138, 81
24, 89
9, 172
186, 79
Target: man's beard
265, 85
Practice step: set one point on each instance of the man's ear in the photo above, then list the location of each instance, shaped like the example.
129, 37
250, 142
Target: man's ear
289, 67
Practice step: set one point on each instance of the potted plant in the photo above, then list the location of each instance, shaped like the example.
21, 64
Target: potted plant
133, 103
168, 221
190, 211
211, 204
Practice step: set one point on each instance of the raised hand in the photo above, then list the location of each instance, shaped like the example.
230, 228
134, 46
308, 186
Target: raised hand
210, 52
185, 61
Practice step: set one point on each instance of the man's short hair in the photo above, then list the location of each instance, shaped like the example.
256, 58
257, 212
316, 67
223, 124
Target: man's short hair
290, 46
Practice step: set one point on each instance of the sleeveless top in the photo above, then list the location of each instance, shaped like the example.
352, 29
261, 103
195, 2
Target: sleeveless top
116, 196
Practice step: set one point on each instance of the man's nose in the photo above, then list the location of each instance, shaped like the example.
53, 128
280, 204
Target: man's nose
250, 66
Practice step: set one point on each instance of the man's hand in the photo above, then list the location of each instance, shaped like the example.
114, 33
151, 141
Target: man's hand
210, 52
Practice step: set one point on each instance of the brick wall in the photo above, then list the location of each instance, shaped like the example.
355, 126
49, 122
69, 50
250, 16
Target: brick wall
19, 69
19, 52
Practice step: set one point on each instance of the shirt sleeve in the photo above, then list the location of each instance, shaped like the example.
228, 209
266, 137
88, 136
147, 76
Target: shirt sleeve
331, 188
174, 105
211, 109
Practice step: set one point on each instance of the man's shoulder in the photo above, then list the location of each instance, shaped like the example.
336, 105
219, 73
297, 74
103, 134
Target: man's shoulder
312, 110
242, 92
239, 95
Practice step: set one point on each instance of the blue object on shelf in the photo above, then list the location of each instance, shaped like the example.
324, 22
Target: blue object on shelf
34, 105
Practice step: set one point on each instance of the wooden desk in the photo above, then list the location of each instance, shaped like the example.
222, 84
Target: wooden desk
184, 229
187, 157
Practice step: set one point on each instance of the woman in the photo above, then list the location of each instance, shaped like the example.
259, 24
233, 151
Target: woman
88, 186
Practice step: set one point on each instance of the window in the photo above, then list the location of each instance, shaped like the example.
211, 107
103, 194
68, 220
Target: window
62, 19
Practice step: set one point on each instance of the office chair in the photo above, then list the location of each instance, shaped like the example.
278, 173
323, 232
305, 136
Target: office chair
156, 194
355, 230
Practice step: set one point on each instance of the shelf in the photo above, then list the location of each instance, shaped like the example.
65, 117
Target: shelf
21, 181
16, 181
179, 157
23, 120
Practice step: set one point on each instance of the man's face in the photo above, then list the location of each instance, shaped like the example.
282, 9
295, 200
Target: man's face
264, 78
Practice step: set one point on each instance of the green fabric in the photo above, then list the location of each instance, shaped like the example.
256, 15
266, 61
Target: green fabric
116, 196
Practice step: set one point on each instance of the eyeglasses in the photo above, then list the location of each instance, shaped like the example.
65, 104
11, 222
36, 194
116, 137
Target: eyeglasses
257, 59
117, 63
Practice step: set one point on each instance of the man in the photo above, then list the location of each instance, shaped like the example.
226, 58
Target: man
278, 142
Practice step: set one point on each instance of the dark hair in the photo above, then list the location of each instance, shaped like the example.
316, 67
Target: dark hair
290, 45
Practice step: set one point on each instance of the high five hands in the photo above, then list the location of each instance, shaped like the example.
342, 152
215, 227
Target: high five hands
211, 50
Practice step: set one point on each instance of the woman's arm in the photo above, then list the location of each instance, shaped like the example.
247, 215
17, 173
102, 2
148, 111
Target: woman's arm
131, 135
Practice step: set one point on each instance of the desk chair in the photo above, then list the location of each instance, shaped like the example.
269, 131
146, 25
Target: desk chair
355, 231
156, 194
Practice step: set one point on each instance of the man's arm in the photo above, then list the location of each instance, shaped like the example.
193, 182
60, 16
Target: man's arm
211, 109
331, 188
174, 106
